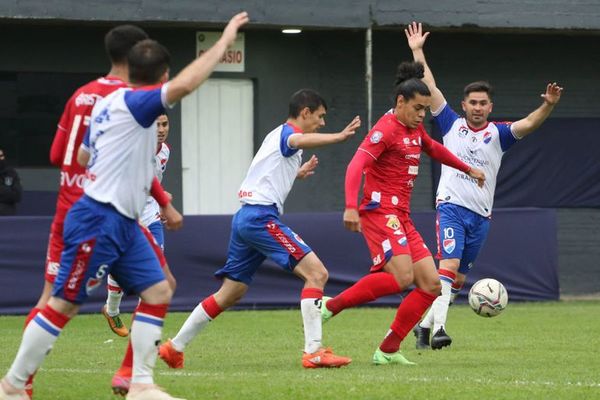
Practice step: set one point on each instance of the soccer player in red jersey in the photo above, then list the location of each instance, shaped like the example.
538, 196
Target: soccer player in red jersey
389, 157
69, 135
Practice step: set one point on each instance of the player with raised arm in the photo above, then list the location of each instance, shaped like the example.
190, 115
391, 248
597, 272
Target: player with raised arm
69, 135
102, 234
152, 220
464, 211
257, 233
389, 157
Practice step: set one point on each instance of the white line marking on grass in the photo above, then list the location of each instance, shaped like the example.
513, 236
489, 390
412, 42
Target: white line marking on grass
439, 379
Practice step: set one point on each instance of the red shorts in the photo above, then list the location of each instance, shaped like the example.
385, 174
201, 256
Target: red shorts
390, 235
55, 246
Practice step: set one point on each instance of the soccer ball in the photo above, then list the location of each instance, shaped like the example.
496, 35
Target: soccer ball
488, 297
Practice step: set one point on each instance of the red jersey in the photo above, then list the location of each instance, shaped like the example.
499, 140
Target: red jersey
397, 151
69, 135
392, 165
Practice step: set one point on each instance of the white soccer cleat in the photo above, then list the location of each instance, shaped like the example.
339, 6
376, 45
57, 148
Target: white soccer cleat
151, 392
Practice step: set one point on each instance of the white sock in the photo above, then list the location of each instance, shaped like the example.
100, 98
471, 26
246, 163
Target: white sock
113, 300
440, 305
427, 321
146, 331
192, 326
38, 339
311, 316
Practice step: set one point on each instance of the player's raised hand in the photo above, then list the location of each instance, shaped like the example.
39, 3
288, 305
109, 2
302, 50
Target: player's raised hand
173, 219
352, 220
478, 174
553, 93
308, 168
231, 30
415, 36
350, 130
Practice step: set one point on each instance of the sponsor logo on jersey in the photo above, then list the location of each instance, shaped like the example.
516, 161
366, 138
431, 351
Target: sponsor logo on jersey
87, 99
393, 222
462, 131
402, 241
406, 141
244, 193
413, 156
449, 245
66, 179
376, 137
487, 137
413, 170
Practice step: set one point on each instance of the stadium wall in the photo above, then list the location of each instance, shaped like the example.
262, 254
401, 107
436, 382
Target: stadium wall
525, 260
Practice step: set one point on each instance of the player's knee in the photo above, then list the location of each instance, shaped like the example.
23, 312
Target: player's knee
318, 276
404, 278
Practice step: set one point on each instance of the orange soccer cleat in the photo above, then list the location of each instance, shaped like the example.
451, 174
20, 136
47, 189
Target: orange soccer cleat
324, 358
172, 357
115, 323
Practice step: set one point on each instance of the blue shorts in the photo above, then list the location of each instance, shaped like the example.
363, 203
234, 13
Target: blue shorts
460, 234
157, 230
99, 240
257, 233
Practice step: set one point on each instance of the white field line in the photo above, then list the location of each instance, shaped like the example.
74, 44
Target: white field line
437, 379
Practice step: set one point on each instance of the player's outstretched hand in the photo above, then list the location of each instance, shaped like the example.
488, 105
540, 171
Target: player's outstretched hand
478, 174
553, 93
350, 130
173, 219
231, 30
415, 36
308, 168
352, 220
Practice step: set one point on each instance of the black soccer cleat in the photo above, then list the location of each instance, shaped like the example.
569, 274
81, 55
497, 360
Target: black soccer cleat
422, 335
440, 339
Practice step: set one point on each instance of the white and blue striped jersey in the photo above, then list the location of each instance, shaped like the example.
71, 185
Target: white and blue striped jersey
151, 212
273, 169
121, 141
480, 148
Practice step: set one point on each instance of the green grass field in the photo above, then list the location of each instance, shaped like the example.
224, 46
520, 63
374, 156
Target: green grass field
531, 351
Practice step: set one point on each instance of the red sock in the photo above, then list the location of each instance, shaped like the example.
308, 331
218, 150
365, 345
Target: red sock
127, 363
368, 288
34, 311
409, 312
211, 308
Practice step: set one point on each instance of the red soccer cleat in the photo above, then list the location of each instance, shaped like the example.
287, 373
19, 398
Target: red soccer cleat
172, 357
121, 381
324, 358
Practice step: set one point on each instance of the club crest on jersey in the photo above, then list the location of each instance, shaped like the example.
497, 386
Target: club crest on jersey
376, 137
449, 245
393, 222
402, 241
487, 137
462, 131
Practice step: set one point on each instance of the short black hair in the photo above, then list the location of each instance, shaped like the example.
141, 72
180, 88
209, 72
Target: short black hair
120, 39
408, 81
305, 98
148, 61
479, 86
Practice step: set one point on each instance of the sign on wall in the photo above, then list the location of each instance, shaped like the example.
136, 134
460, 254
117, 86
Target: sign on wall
234, 58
